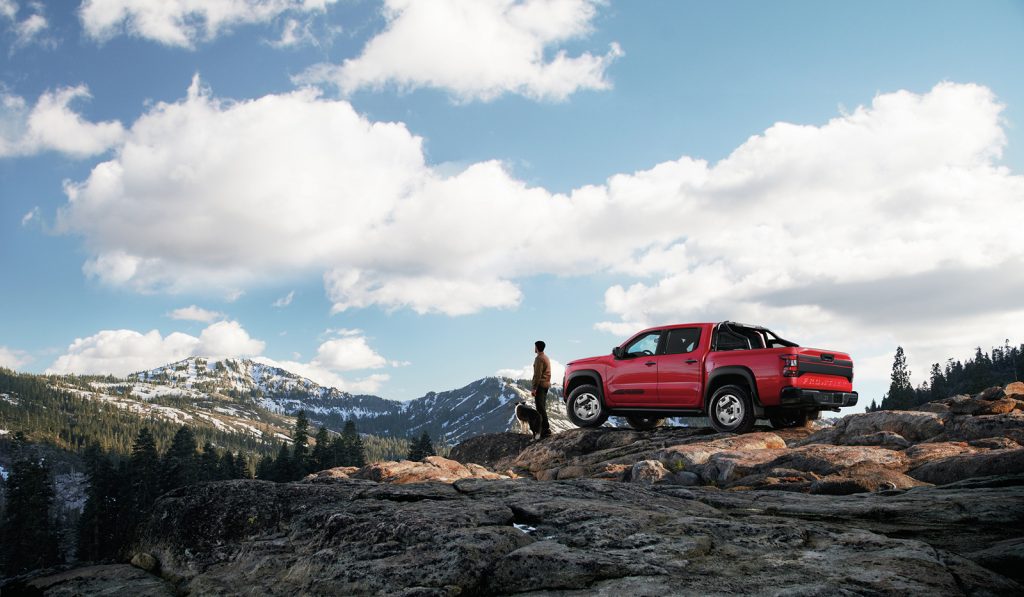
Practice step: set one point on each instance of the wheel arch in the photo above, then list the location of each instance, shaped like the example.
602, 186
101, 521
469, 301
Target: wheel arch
580, 378
734, 374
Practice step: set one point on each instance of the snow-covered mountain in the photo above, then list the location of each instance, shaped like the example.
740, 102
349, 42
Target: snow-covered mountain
251, 397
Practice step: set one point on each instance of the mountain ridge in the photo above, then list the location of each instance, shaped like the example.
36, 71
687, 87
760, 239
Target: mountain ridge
241, 388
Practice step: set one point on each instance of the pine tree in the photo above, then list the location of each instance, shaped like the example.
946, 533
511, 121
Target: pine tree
901, 393
241, 470
282, 471
265, 468
27, 535
180, 463
321, 455
354, 451
144, 467
421, 448
227, 466
300, 447
99, 531
209, 463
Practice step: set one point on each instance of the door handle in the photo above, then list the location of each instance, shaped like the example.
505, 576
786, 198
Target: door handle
649, 363
691, 361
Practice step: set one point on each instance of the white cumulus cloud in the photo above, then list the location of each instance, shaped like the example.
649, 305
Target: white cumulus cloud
120, 352
52, 125
183, 23
477, 50
13, 359
194, 313
827, 228
348, 351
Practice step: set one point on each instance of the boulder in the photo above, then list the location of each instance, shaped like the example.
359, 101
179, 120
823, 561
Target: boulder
433, 468
965, 428
965, 466
924, 453
914, 426
829, 460
726, 467
863, 479
491, 448
993, 393
595, 449
338, 472
937, 407
994, 443
983, 407
885, 439
775, 479
686, 456
146, 562
1014, 390
648, 471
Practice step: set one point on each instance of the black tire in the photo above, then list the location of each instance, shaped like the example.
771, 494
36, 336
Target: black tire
787, 419
731, 410
585, 407
813, 415
645, 423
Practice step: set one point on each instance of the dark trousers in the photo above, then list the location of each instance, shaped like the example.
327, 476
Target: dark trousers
541, 400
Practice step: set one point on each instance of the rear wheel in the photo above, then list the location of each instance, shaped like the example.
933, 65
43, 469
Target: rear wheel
730, 410
585, 408
644, 423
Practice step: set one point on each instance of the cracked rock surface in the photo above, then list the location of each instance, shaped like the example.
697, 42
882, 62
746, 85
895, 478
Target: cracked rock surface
584, 536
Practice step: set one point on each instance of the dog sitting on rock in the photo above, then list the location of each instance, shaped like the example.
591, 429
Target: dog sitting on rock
529, 419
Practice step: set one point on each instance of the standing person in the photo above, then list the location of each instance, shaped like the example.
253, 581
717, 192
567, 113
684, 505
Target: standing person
541, 383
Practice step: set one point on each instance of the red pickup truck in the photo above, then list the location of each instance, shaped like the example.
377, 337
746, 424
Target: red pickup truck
734, 373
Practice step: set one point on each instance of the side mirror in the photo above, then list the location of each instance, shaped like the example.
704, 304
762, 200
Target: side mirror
617, 352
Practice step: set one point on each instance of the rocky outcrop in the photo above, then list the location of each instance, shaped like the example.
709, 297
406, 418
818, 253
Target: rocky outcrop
109, 579
965, 466
859, 453
432, 468
967, 428
583, 537
490, 449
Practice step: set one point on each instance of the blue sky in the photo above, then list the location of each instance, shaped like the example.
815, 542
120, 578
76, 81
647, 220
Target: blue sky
437, 184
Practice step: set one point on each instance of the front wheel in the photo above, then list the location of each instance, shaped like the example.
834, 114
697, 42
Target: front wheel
644, 423
585, 408
730, 410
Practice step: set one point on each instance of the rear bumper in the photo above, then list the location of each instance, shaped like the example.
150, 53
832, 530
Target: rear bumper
817, 398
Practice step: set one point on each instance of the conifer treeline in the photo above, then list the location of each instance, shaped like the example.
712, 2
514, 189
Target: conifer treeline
294, 463
421, 448
73, 422
122, 491
1002, 365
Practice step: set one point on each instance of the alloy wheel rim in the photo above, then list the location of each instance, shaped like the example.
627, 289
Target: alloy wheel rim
586, 407
729, 410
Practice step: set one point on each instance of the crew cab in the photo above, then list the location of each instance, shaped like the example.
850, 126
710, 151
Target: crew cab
731, 372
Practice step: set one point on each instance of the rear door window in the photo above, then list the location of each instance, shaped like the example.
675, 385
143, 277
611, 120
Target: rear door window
682, 340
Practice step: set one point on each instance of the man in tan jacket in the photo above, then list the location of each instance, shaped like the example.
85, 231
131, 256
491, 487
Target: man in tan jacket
541, 383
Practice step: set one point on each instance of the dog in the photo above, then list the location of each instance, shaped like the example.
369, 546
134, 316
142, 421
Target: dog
529, 419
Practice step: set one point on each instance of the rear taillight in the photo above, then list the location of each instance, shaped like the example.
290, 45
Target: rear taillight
789, 367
